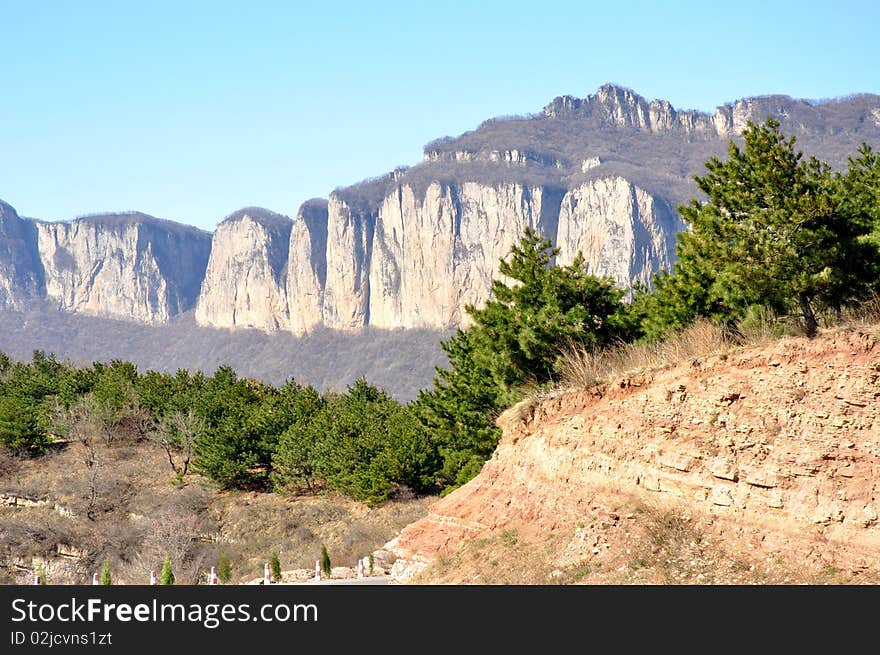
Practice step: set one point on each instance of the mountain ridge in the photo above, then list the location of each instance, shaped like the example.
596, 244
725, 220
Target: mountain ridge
410, 249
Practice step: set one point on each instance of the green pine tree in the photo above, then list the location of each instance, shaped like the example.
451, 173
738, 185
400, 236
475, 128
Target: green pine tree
516, 340
275, 567
166, 575
106, 578
777, 230
325, 561
224, 569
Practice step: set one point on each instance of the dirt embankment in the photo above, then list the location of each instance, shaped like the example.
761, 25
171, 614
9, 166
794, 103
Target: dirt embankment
761, 465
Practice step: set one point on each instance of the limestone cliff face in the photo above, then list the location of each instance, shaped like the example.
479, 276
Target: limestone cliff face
411, 249
128, 266
245, 280
349, 246
307, 267
434, 254
422, 256
622, 231
20, 279
414, 259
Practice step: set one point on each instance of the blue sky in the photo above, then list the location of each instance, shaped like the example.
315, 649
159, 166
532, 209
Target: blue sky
191, 110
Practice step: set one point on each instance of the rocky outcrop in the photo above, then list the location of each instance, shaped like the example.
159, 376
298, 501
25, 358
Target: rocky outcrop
513, 156
619, 107
20, 278
774, 451
421, 256
434, 254
307, 267
129, 266
349, 247
245, 281
621, 230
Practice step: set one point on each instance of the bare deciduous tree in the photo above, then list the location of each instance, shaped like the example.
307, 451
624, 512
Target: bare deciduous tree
176, 433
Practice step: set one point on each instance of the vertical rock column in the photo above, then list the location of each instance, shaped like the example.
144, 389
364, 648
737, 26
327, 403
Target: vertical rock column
307, 267
245, 282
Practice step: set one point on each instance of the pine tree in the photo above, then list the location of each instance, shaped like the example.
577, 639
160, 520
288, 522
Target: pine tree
776, 231
106, 578
517, 338
166, 575
224, 569
275, 566
293, 461
325, 561
20, 429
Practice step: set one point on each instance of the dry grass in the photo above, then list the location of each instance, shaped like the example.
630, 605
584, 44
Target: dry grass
498, 558
583, 369
865, 316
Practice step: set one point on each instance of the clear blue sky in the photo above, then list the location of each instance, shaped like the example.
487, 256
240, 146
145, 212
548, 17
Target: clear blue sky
191, 110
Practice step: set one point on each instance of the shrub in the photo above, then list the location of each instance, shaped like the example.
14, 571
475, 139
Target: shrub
275, 565
224, 569
106, 578
166, 575
325, 561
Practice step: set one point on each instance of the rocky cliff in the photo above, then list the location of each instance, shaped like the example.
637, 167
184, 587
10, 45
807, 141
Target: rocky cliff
622, 231
436, 252
245, 281
129, 266
620, 107
307, 267
601, 175
759, 464
424, 255
20, 279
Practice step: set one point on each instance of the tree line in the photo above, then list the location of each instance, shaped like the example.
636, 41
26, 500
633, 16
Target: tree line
775, 232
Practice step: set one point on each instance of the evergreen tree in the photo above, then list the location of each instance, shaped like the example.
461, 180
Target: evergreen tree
859, 192
520, 331
293, 462
459, 411
275, 567
226, 450
41, 575
166, 575
20, 423
776, 231
325, 561
224, 568
516, 339
106, 578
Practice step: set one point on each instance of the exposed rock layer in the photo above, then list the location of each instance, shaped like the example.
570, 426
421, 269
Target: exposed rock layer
781, 444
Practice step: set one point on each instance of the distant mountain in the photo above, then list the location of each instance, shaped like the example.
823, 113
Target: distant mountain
601, 174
